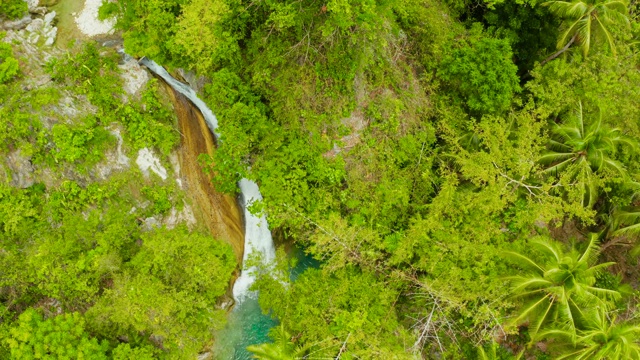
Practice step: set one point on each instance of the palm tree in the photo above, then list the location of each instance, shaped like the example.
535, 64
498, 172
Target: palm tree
281, 349
626, 221
583, 149
558, 288
603, 338
622, 227
585, 21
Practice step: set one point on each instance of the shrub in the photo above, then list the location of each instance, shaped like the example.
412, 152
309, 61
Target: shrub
13, 9
483, 74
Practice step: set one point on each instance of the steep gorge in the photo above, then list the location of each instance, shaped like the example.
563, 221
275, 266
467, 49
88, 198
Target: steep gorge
220, 212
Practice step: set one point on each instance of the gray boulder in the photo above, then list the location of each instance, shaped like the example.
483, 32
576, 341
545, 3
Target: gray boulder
16, 24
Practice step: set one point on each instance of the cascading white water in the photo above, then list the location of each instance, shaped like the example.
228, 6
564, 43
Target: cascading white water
257, 236
186, 90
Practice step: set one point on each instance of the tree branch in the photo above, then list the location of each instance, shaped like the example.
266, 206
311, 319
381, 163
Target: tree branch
565, 48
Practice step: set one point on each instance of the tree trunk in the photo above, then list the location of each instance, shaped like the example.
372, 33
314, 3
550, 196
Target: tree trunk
565, 48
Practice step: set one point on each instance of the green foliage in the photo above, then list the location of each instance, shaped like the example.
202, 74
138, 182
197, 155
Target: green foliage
149, 124
9, 67
169, 289
531, 31
626, 221
124, 351
560, 288
588, 21
391, 139
92, 254
147, 26
17, 210
200, 35
602, 338
8, 64
70, 196
107, 10
281, 349
85, 142
347, 306
601, 84
579, 151
62, 336
72, 244
177, 257
18, 128
493, 351
483, 74
159, 197
13, 9
93, 74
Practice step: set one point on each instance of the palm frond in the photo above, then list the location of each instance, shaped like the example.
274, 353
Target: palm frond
615, 165
569, 132
605, 294
597, 269
554, 157
529, 283
521, 260
627, 221
592, 251
547, 247
564, 310
531, 309
567, 34
541, 319
558, 146
566, 9
607, 35
616, 12
580, 117
584, 32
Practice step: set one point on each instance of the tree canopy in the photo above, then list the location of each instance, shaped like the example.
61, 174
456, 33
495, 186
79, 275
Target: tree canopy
464, 174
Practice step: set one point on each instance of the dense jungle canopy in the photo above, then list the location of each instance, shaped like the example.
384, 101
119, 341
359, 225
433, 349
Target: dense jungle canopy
466, 172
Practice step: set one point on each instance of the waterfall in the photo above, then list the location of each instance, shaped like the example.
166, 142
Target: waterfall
257, 234
257, 238
186, 90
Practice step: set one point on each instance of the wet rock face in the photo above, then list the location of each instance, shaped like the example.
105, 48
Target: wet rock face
21, 170
196, 82
220, 212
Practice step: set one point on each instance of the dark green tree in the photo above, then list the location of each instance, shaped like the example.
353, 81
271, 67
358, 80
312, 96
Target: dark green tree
483, 74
